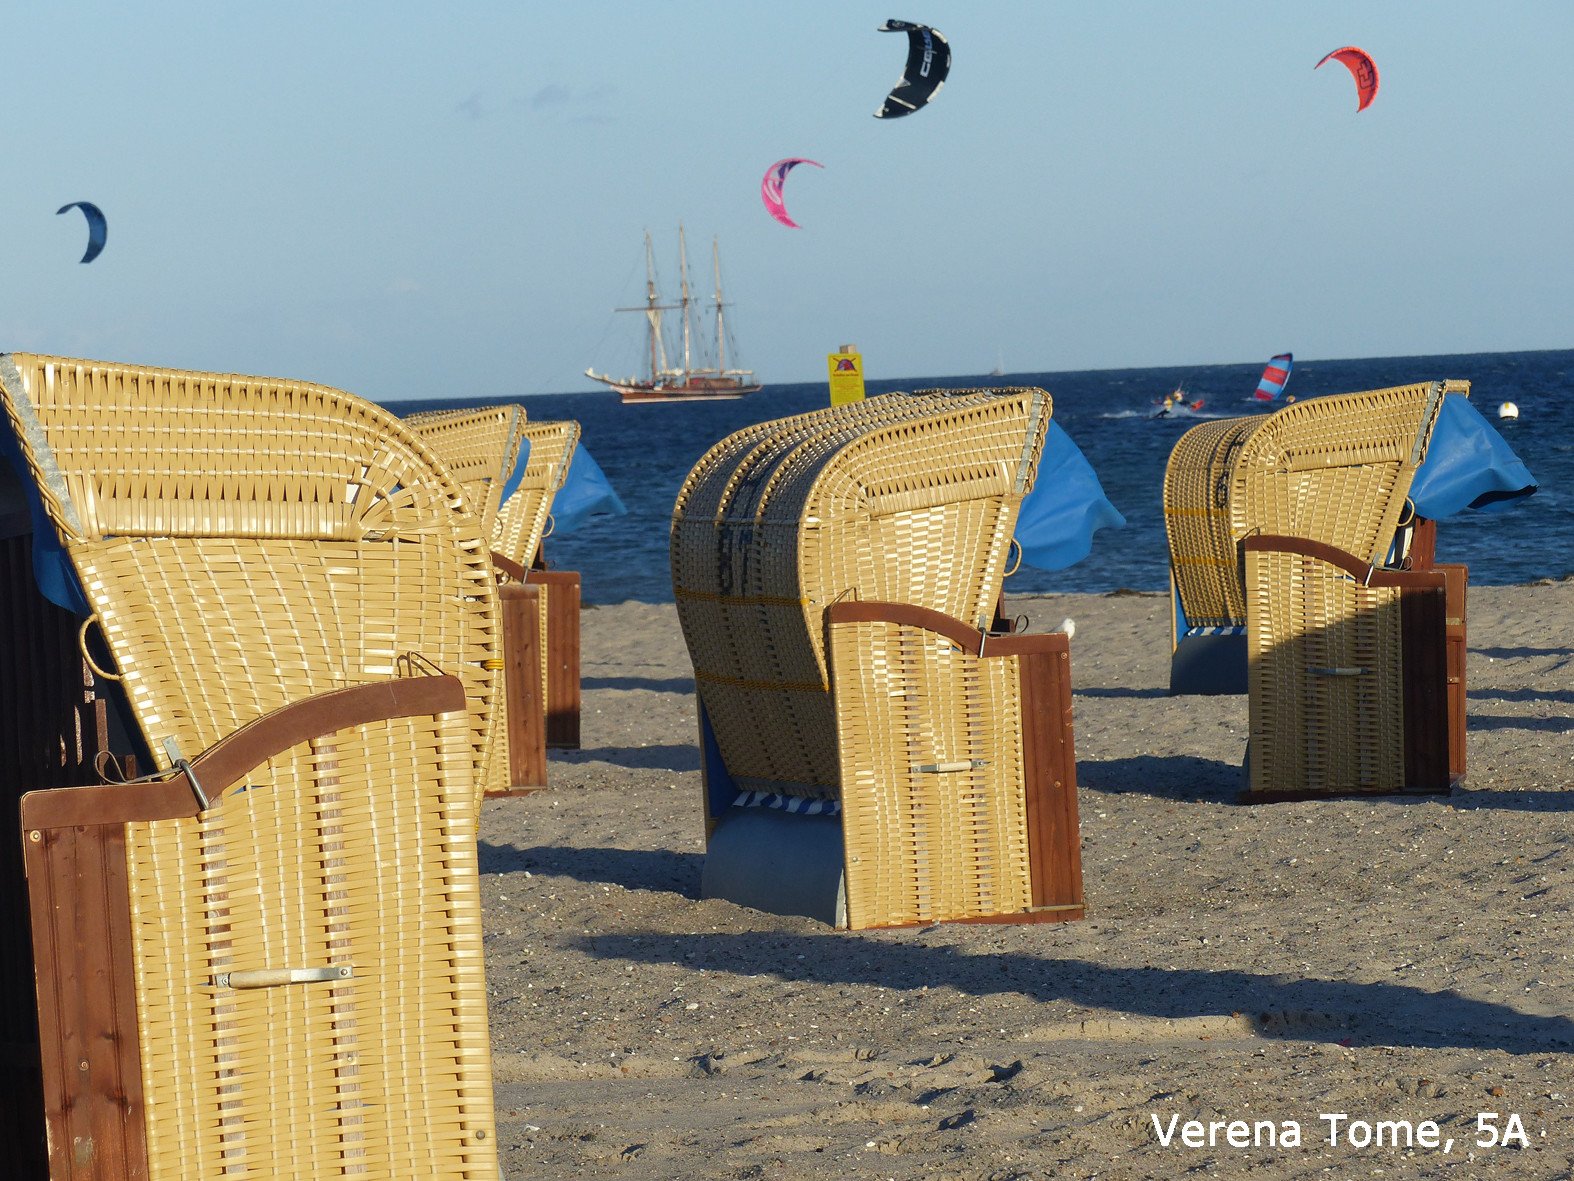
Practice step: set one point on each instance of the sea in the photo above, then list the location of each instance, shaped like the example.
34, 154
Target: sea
646, 452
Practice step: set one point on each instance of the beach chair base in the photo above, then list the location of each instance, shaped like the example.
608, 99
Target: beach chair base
778, 862
1208, 665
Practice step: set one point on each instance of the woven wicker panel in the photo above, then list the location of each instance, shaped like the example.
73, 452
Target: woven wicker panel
479, 446
1196, 518
522, 519
247, 542
323, 858
902, 498
924, 844
1335, 469
1324, 673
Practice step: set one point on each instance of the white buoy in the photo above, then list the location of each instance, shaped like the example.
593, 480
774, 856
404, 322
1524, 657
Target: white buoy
1508, 410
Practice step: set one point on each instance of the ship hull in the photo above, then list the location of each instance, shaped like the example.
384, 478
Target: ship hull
693, 390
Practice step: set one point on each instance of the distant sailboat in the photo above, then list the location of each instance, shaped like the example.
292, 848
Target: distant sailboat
1000, 365
1274, 377
685, 382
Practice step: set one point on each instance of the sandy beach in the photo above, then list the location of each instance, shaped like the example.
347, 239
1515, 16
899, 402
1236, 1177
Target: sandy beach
1392, 959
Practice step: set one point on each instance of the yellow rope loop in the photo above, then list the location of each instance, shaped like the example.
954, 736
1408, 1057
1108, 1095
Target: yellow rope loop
551, 527
1016, 545
88, 656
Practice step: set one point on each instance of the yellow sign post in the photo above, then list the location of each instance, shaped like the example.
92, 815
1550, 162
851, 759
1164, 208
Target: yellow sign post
846, 367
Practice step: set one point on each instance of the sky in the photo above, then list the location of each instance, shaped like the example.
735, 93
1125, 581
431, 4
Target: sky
448, 200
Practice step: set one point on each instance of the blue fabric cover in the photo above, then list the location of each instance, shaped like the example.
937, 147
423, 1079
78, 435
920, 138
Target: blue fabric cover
585, 493
57, 579
1066, 506
1468, 465
517, 476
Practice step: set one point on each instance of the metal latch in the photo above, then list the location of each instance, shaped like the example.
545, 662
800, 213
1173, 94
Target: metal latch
945, 768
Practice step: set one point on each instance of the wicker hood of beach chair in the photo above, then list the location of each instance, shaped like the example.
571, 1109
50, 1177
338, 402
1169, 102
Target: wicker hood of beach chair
279, 521
792, 542
901, 498
480, 447
276, 947
1334, 469
522, 521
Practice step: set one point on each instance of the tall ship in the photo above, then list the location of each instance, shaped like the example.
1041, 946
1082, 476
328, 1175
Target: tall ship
686, 381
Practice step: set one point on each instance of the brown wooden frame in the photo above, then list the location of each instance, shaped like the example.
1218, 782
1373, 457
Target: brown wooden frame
535, 725
562, 655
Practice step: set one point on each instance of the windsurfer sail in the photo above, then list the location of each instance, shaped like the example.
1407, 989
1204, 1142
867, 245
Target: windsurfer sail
1274, 377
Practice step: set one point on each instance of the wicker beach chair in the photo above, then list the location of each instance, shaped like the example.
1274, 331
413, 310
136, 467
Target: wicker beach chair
1323, 484
872, 756
265, 960
510, 470
523, 525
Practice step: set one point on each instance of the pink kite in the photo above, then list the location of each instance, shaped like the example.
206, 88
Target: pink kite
771, 187
1362, 68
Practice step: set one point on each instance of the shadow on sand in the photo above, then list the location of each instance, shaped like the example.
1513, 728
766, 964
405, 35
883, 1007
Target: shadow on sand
655, 684
1464, 800
672, 756
1514, 653
1117, 691
1509, 722
1564, 695
633, 869
1184, 778
1378, 1013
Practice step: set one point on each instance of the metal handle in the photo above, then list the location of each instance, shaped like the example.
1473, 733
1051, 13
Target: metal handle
945, 768
1338, 672
274, 977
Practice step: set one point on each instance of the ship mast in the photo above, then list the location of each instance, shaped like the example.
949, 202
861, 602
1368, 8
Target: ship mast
653, 309
721, 336
683, 295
